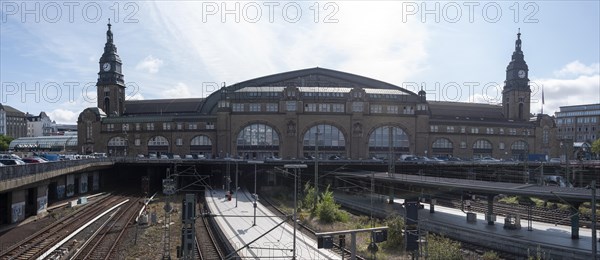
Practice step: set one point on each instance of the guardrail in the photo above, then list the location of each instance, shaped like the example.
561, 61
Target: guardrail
19, 171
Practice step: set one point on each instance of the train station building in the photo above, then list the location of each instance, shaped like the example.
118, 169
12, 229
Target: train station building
299, 114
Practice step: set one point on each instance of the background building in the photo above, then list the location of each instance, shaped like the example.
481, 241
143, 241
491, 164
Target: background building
578, 126
13, 122
294, 114
40, 125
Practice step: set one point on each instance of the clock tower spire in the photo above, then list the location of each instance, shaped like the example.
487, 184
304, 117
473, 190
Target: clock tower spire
516, 94
110, 85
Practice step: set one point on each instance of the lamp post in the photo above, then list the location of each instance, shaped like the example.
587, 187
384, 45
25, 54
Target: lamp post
255, 194
316, 168
236, 182
295, 167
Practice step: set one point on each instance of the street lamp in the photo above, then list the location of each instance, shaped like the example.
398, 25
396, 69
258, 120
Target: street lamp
255, 194
295, 167
316, 168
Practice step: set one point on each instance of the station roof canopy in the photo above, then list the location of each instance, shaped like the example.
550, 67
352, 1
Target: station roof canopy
43, 142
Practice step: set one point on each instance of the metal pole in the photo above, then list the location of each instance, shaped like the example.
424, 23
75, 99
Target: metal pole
254, 195
236, 184
594, 241
295, 192
316, 168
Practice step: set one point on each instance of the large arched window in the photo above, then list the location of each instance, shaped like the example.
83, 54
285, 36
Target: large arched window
482, 147
201, 144
442, 147
382, 138
158, 144
329, 139
257, 141
117, 146
519, 150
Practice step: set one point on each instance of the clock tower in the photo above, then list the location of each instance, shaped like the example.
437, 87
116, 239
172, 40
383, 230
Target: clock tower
110, 85
516, 94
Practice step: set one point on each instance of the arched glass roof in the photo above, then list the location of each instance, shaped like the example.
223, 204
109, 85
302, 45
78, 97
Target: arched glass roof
43, 142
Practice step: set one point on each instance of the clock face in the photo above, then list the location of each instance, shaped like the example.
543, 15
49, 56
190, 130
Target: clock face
521, 74
106, 66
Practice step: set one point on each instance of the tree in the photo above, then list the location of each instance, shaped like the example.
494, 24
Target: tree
328, 211
596, 146
5, 142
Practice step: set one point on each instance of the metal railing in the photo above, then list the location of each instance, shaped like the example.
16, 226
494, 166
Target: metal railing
10, 172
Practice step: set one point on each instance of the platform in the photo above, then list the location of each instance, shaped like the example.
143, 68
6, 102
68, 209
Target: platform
554, 241
237, 225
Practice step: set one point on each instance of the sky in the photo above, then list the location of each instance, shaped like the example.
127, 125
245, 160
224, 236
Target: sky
455, 51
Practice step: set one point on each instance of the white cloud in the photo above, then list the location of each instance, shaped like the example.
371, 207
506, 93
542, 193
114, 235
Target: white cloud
181, 90
63, 116
149, 64
576, 68
565, 92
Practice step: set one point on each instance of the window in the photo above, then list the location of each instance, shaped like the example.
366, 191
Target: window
501, 131
474, 130
125, 127
463, 129
482, 144
357, 106
433, 128
421, 107
310, 107
290, 105
463, 144
166, 126
501, 146
110, 127
179, 126
324, 108
272, 107
201, 140
137, 142
489, 131
409, 110
237, 107
150, 126
545, 136
192, 126
254, 107
518, 145
512, 131
210, 125
138, 126
158, 141
450, 129
338, 108
392, 109
179, 142
376, 108
442, 143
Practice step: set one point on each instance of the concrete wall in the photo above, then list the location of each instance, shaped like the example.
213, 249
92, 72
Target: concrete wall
18, 206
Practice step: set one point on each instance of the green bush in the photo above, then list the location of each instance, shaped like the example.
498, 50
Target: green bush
491, 255
442, 248
328, 211
395, 239
309, 198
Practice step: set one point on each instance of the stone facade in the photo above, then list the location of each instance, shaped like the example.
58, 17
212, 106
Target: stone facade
294, 114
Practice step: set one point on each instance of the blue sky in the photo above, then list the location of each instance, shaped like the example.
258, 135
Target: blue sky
49, 51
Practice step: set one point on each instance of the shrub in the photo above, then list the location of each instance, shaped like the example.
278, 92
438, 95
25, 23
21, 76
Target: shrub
442, 248
395, 237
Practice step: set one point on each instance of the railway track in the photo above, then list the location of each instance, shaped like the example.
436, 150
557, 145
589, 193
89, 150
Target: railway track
102, 244
40, 242
207, 244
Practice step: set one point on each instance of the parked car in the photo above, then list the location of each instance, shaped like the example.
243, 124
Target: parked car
34, 160
177, 157
273, 158
12, 162
164, 156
